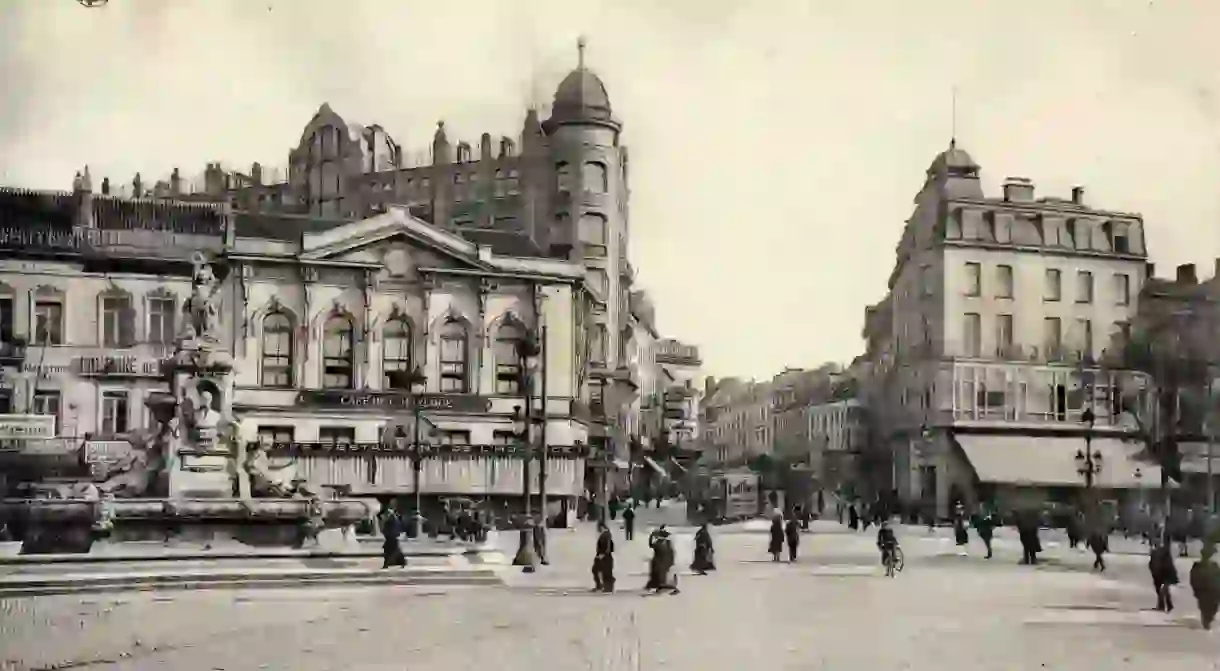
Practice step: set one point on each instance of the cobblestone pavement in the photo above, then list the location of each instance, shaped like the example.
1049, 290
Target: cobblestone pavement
830, 610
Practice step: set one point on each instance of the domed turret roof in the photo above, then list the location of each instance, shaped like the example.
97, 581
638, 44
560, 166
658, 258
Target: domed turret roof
953, 160
581, 97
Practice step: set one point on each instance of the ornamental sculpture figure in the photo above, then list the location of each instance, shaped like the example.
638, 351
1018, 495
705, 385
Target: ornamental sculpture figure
206, 421
202, 308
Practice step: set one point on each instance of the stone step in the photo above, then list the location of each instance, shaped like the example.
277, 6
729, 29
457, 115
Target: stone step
13, 586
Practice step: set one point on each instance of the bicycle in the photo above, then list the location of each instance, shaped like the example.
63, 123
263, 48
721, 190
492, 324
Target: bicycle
894, 562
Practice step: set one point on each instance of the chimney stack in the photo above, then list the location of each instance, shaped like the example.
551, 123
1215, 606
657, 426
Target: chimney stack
256, 173
1078, 195
175, 184
1150, 270
105, 186
137, 185
1018, 190
1216, 270
1187, 274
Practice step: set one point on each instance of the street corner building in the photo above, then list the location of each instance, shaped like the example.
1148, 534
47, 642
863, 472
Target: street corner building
984, 356
373, 307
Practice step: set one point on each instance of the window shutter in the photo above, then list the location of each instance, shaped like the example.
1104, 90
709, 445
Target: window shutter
127, 326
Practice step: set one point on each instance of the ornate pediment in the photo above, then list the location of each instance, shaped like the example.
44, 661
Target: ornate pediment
372, 240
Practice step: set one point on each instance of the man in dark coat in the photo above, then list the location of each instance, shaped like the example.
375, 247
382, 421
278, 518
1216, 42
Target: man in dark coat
1205, 583
1074, 526
629, 522
985, 525
792, 532
1164, 573
853, 517
603, 560
705, 553
666, 579
653, 574
1099, 543
391, 550
959, 525
539, 538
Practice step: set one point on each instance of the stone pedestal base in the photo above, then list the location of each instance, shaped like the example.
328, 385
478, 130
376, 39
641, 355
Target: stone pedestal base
202, 475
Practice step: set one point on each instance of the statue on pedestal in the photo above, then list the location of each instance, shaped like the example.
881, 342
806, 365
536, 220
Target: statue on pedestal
267, 480
202, 308
205, 422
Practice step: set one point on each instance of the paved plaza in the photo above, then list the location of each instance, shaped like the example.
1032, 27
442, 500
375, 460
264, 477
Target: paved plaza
831, 610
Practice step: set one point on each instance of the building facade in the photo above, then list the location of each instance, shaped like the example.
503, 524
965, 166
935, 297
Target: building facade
983, 354
326, 328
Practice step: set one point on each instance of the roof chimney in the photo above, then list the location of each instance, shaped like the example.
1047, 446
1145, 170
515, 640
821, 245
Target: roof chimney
175, 184
1078, 195
1187, 274
1216, 270
1018, 190
1149, 270
82, 187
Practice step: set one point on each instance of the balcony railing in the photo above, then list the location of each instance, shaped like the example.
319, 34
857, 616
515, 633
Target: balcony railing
405, 447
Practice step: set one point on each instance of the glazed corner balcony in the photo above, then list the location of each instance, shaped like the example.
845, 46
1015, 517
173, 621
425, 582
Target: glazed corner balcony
673, 353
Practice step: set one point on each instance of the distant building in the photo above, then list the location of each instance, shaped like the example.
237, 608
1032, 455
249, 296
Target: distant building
982, 355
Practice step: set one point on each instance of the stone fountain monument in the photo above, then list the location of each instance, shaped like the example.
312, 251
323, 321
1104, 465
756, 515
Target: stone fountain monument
188, 480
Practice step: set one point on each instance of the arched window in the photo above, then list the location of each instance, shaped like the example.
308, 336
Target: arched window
454, 352
508, 364
338, 364
563, 177
396, 356
594, 177
277, 350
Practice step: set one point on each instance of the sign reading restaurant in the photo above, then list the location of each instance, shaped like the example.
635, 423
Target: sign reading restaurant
365, 400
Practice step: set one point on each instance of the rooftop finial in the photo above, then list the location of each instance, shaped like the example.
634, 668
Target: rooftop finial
580, 52
953, 118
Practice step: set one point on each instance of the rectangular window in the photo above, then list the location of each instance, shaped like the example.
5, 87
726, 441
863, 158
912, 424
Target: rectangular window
454, 437
503, 438
47, 403
1122, 289
117, 324
6, 319
974, 279
1053, 291
114, 413
270, 435
1084, 287
972, 336
48, 323
1084, 337
161, 320
6, 401
1003, 336
1003, 281
1052, 339
337, 435
453, 365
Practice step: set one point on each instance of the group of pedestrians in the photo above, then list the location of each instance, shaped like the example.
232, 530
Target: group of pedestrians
784, 532
662, 571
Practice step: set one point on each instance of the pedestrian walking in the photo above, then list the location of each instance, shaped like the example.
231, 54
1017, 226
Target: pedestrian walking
853, 517
792, 532
629, 522
663, 577
777, 538
653, 572
866, 516
1099, 543
603, 560
539, 538
959, 525
1075, 524
1205, 583
1027, 531
1164, 573
985, 525
705, 552
391, 549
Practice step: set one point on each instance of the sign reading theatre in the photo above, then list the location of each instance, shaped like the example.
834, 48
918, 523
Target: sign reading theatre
364, 400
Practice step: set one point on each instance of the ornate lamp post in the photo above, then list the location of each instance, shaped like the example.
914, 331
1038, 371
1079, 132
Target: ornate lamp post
1088, 462
417, 382
527, 350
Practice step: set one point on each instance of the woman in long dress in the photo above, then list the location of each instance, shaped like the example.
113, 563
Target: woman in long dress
704, 559
777, 538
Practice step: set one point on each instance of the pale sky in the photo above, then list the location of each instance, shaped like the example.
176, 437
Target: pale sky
775, 146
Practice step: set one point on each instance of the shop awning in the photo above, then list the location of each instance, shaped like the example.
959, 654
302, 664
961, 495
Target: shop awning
655, 466
675, 463
1051, 461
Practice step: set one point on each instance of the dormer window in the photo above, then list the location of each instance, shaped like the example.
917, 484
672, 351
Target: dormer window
1120, 242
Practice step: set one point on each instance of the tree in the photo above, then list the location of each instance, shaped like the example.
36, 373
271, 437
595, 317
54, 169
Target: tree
1163, 370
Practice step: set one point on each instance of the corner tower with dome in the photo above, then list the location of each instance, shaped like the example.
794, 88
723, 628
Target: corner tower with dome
983, 353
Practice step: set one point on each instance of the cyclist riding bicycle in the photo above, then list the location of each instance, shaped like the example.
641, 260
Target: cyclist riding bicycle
887, 542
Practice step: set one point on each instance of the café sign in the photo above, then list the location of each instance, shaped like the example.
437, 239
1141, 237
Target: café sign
26, 426
127, 366
391, 402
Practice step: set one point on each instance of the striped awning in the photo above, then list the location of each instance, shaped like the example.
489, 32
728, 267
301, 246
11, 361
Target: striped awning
675, 463
655, 466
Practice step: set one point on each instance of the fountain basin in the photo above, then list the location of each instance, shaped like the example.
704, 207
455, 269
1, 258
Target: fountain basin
69, 526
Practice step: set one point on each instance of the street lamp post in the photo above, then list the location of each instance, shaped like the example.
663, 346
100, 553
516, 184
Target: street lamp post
417, 382
527, 349
1089, 462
